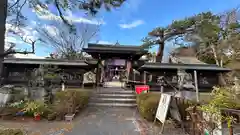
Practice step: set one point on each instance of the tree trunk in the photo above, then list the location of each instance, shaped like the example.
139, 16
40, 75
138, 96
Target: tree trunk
221, 78
215, 55
160, 52
3, 17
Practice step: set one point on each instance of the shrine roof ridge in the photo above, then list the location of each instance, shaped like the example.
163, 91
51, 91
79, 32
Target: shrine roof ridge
45, 61
112, 46
174, 66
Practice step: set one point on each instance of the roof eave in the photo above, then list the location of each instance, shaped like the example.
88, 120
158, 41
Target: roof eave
45, 62
199, 67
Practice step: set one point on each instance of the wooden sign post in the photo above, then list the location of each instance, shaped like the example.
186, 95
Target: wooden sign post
162, 109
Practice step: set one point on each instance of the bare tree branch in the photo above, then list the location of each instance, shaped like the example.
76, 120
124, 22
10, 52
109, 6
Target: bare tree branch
25, 38
56, 2
14, 4
18, 13
66, 43
11, 50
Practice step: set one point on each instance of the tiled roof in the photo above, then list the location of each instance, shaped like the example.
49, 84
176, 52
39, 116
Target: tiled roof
172, 66
190, 60
106, 47
45, 61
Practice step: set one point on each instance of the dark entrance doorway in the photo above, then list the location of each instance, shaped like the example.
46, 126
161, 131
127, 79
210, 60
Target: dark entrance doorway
114, 68
114, 73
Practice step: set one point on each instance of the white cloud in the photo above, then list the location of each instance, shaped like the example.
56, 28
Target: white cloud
104, 42
69, 13
31, 56
132, 24
73, 19
13, 40
10, 40
128, 8
8, 26
52, 30
46, 15
133, 5
34, 23
28, 34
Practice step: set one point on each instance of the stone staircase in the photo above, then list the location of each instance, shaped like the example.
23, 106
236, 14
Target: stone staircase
114, 84
113, 95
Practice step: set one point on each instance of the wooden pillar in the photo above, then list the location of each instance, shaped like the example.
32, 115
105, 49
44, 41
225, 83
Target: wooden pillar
134, 77
5, 75
143, 77
98, 71
196, 85
82, 78
102, 72
131, 69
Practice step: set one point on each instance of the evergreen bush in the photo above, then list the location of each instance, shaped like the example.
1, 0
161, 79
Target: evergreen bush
147, 105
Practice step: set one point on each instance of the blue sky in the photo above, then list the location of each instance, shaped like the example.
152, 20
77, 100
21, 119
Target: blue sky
131, 22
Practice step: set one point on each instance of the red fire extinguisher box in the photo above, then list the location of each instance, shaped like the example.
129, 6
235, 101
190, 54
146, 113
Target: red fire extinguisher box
37, 117
141, 88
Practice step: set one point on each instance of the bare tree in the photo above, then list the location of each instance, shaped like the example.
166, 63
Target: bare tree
68, 44
13, 8
11, 49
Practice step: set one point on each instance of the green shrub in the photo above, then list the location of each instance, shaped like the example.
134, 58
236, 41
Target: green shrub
11, 132
147, 105
34, 107
61, 103
80, 97
222, 98
48, 110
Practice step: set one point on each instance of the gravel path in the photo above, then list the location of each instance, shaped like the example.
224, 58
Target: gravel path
94, 121
106, 121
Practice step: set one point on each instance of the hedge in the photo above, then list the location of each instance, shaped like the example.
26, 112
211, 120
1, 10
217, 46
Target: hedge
147, 104
11, 132
60, 106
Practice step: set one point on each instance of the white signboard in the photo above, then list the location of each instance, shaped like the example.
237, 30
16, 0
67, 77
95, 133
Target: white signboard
163, 107
89, 77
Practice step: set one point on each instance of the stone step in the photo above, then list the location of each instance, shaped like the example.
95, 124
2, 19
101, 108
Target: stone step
113, 96
113, 84
116, 99
110, 86
114, 104
115, 92
122, 95
112, 100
